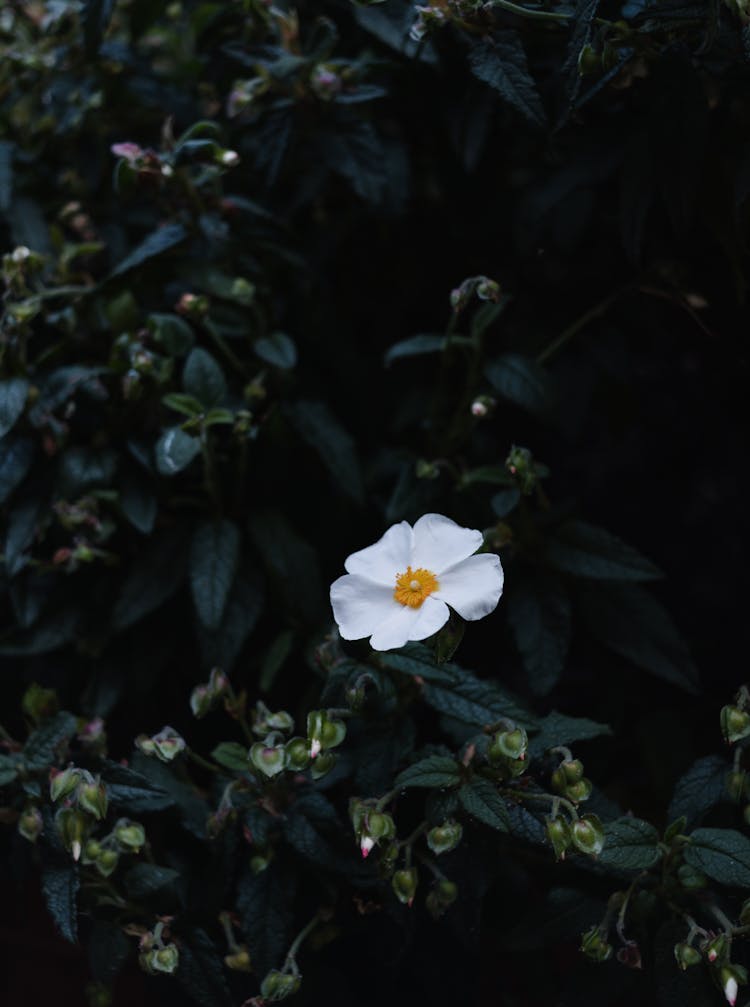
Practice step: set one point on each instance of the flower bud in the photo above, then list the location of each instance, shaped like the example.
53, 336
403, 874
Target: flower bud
404, 884
164, 959
686, 955
595, 945
731, 977
31, 824
239, 960
441, 896
107, 862
509, 745
63, 783
264, 721
279, 985
559, 835
736, 784
297, 754
268, 759
487, 289
72, 826
259, 862
92, 797
691, 879
580, 791
444, 838
168, 744
588, 835
735, 724
39, 703
323, 765
229, 158
370, 826
323, 732
572, 770
130, 835
717, 949
201, 702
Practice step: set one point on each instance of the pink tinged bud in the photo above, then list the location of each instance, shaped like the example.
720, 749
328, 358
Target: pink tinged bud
366, 844
730, 991
478, 409
315, 747
713, 955
130, 151
76, 851
230, 158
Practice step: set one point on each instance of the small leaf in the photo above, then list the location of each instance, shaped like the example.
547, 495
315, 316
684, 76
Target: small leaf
585, 550
321, 430
414, 346
187, 405
22, 529
231, 755
520, 380
13, 393
175, 450
500, 61
434, 771
214, 551
559, 729
138, 500
630, 844
143, 880
264, 902
132, 793
15, 461
505, 501
278, 350
60, 883
722, 854
481, 800
221, 647
43, 744
701, 788
156, 574
204, 379
539, 614
157, 242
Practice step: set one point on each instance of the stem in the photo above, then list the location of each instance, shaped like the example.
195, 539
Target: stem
726, 924
290, 963
200, 761
410, 840
386, 799
431, 866
577, 326
538, 15
564, 751
240, 715
552, 799
222, 346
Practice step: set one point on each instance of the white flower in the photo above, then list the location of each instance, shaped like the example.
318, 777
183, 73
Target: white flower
400, 588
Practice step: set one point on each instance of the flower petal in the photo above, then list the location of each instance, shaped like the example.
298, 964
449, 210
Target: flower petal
440, 543
396, 630
433, 615
388, 557
473, 586
359, 606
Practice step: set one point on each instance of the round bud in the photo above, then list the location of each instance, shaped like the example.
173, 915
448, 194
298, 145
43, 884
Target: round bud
580, 791
735, 724
91, 851
130, 835
444, 838
572, 770
279, 985
717, 949
31, 824
588, 835
404, 884
595, 945
239, 961
510, 744
559, 835
297, 754
323, 765
106, 862
269, 760
686, 955
691, 879
92, 797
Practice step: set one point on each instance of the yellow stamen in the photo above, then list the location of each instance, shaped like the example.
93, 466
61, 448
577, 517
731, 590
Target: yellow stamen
414, 586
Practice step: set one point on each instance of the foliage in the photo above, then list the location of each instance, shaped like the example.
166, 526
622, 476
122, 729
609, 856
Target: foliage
275, 279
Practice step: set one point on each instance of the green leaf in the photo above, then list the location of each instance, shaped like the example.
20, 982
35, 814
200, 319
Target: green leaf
60, 883
290, 561
274, 658
187, 405
159, 241
8, 769
83, 468
13, 392
265, 905
414, 346
278, 350
354, 151
6, 174
505, 501
701, 788
95, 16
722, 854
309, 828
434, 771
201, 971
520, 380
500, 61
559, 729
108, 950
22, 528
231, 755
221, 647
44, 743
155, 575
204, 379
214, 551
630, 844
175, 450
539, 614
627, 620
475, 702
585, 550
171, 332
15, 461
131, 792
193, 808
138, 500
415, 659
144, 879
481, 800
321, 430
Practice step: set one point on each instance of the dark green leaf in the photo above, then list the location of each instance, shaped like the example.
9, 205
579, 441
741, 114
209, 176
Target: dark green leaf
414, 346
175, 450
630, 844
187, 405
132, 793
15, 461
264, 904
417, 660
156, 574
559, 729
108, 950
214, 551
144, 879
500, 61
156, 243
138, 500
475, 702
6, 174
44, 743
434, 771
13, 392
290, 561
192, 807
95, 16
22, 528
201, 970
701, 788
355, 152
539, 613
222, 646
519, 380
82, 468
505, 501
204, 379
309, 828
278, 350
482, 801
321, 430
566, 913
171, 332
60, 885
231, 755
722, 854
585, 550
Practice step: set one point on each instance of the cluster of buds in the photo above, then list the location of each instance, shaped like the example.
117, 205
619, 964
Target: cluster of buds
585, 835
324, 732
204, 698
30, 823
714, 949
142, 162
279, 985
134, 357
166, 745
568, 781
525, 470
594, 945
507, 750
77, 787
371, 825
485, 289
18, 265
157, 955
429, 16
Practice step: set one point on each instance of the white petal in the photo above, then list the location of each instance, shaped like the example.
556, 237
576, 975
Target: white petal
386, 559
440, 543
473, 586
433, 615
396, 630
359, 606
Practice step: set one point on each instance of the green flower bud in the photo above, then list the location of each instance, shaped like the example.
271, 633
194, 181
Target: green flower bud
717, 949
559, 835
239, 960
444, 838
281, 721
441, 896
736, 784
404, 884
595, 945
323, 765
371, 826
388, 859
580, 791
297, 754
39, 703
686, 955
279, 985
690, 878
169, 744
588, 835
323, 732
91, 851
31, 824
92, 797
130, 835
735, 724
63, 784
259, 862
268, 759
72, 826
572, 770
107, 862
201, 702
509, 745
164, 960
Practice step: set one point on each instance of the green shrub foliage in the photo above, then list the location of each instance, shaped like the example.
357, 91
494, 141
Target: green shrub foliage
274, 279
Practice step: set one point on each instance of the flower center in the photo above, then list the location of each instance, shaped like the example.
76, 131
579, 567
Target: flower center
414, 586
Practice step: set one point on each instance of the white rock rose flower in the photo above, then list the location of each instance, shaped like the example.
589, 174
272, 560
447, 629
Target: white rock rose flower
400, 588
